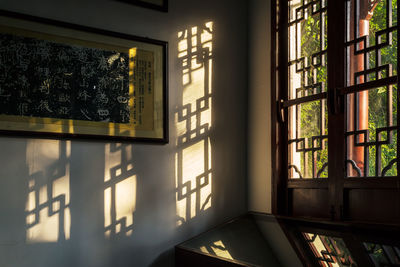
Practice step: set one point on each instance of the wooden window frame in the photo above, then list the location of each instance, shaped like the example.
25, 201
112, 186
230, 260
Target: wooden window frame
336, 184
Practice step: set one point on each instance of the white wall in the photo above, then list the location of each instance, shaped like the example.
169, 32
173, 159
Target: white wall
75, 172
259, 114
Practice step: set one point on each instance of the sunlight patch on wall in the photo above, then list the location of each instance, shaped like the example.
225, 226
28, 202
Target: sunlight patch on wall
120, 190
48, 216
197, 186
193, 175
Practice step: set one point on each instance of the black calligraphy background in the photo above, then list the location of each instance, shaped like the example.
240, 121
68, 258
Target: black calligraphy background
40, 78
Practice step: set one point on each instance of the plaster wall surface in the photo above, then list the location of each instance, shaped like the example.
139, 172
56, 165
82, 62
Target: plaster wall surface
259, 115
137, 219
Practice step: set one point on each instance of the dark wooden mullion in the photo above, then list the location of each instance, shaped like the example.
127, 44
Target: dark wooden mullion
305, 99
274, 108
367, 85
314, 183
279, 91
398, 117
283, 94
371, 183
336, 122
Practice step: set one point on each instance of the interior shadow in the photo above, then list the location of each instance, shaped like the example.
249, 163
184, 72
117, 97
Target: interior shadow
13, 189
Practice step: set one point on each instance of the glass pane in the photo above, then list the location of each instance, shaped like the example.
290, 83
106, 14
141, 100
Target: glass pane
329, 251
307, 47
372, 132
308, 146
371, 55
371, 52
383, 255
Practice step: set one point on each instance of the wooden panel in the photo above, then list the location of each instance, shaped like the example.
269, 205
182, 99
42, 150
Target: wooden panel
372, 205
308, 183
310, 203
372, 182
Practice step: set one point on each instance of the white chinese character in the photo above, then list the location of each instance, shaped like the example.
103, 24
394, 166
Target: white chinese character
44, 71
23, 64
21, 51
124, 115
62, 56
44, 105
23, 108
103, 112
103, 82
83, 95
103, 65
102, 97
45, 87
64, 110
66, 85
82, 56
85, 113
43, 51
84, 83
24, 81
64, 98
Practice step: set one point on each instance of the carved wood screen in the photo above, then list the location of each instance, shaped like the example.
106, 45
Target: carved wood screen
335, 79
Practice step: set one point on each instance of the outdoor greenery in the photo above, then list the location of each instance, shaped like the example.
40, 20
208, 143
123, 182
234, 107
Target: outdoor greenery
310, 120
378, 97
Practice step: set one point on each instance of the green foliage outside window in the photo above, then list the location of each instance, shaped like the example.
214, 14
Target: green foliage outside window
378, 97
310, 124
310, 119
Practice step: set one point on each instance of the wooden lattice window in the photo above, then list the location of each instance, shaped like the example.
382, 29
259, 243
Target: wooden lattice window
336, 86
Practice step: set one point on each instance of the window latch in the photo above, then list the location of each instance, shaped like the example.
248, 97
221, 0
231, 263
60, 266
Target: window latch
334, 101
281, 111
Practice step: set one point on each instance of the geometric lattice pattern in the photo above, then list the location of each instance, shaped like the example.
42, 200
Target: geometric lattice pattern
193, 120
329, 251
307, 29
372, 147
119, 190
371, 40
48, 215
371, 114
217, 248
308, 146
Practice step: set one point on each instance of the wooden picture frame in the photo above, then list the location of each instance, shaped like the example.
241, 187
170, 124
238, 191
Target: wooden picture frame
62, 80
160, 5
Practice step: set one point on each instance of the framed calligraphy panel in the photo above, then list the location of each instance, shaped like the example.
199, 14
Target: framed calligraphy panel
64, 80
